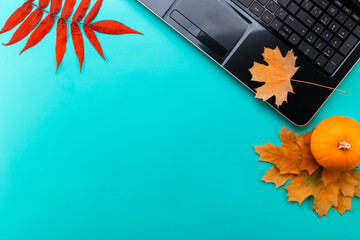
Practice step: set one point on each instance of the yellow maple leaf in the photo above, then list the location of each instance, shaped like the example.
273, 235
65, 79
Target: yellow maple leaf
276, 75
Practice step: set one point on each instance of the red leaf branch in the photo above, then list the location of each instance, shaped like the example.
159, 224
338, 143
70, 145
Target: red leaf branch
29, 20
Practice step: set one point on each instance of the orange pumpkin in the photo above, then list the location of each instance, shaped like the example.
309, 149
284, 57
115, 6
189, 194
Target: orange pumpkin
335, 143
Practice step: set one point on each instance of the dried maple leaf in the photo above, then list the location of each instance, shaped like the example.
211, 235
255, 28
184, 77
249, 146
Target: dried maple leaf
276, 75
30, 19
292, 157
343, 204
356, 176
293, 161
273, 175
325, 196
308, 161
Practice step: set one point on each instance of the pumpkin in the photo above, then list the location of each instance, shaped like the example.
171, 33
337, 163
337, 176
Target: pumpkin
335, 143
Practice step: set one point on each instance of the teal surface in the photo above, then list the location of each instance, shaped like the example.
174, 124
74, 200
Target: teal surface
154, 144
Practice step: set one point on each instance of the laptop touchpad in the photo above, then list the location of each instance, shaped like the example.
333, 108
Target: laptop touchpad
216, 19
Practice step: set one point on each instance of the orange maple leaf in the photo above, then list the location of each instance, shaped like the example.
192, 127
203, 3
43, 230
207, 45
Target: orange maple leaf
335, 194
276, 75
356, 176
293, 156
344, 204
273, 175
293, 161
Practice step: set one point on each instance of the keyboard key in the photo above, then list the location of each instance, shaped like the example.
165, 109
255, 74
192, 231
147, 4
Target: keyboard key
341, 17
334, 26
318, 28
327, 35
332, 10
276, 25
320, 44
357, 31
311, 37
284, 3
305, 18
267, 17
281, 13
335, 42
316, 12
296, 25
294, 39
350, 24
293, 8
284, 34
263, 2
338, 3
311, 52
257, 9
329, 51
325, 19
321, 60
307, 5
272, 6
287, 30
347, 10
334, 63
343, 33
322, 3
348, 45
355, 17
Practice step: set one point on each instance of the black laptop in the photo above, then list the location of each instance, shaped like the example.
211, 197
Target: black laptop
324, 34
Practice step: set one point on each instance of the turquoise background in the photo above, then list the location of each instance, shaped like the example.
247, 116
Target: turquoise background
156, 143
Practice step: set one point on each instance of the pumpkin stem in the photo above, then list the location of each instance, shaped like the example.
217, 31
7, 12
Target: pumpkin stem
344, 145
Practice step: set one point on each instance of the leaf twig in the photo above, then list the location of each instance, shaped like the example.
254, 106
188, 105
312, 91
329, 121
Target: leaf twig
318, 85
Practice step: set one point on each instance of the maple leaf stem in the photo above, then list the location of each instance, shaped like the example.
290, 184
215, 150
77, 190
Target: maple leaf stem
318, 85
66, 19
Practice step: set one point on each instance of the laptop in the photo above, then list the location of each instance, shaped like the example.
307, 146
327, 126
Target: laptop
324, 34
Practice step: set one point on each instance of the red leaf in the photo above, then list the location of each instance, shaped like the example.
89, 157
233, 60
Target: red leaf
40, 32
44, 3
55, 6
112, 27
93, 12
26, 27
81, 11
93, 40
68, 8
17, 17
78, 42
61, 39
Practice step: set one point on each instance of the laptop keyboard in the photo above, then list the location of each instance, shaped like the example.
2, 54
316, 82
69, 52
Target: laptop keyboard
326, 31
